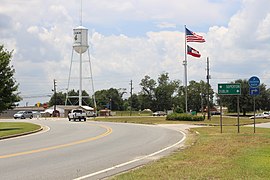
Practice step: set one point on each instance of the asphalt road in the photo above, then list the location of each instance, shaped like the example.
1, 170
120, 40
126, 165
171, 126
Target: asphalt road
84, 150
262, 125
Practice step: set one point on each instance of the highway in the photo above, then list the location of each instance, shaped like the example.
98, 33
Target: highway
83, 150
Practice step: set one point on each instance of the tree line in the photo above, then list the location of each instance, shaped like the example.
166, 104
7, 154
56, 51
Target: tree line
165, 94
161, 94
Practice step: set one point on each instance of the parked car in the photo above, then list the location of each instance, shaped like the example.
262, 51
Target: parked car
159, 113
23, 115
260, 116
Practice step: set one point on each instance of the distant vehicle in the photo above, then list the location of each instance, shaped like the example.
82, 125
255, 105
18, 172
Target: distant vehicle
77, 114
23, 115
159, 113
267, 114
215, 113
91, 114
260, 116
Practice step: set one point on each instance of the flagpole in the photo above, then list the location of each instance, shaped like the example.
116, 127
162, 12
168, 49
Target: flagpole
185, 71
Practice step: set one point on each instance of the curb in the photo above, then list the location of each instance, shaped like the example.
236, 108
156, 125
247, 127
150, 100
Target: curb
21, 134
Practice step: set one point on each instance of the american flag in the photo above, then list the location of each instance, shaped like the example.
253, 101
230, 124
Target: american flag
193, 37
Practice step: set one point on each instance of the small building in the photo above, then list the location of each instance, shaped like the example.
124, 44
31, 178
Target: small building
64, 110
105, 112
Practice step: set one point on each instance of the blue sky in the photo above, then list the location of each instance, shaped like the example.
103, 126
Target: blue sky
132, 38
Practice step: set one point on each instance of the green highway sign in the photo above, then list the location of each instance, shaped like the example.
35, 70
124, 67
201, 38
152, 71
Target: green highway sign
229, 89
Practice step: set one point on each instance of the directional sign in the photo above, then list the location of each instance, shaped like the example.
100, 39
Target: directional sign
229, 89
254, 82
254, 91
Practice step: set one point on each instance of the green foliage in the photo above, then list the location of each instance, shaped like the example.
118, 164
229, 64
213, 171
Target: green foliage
158, 95
179, 110
196, 95
165, 92
8, 86
61, 98
183, 117
111, 99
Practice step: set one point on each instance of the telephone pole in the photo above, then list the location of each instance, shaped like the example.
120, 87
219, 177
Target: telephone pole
131, 88
54, 90
208, 77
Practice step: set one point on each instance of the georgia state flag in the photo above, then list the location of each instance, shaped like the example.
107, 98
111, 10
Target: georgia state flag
193, 52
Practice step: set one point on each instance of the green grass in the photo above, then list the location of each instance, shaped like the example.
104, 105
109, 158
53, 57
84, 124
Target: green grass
209, 154
213, 156
133, 113
215, 120
12, 128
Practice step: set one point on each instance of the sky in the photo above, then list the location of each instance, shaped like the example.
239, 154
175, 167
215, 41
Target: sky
129, 39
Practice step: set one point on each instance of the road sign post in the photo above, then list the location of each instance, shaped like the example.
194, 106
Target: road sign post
229, 89
254, 82
254, 90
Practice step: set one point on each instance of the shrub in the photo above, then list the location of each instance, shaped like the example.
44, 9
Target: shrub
183, 117
179, 110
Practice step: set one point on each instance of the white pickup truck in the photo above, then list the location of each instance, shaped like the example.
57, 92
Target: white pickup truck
77, 114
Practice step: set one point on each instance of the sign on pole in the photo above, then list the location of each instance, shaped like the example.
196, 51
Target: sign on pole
229, 89
254, 82
254, 91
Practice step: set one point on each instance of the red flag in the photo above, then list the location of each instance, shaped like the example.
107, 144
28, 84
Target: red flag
193, 52
193, 37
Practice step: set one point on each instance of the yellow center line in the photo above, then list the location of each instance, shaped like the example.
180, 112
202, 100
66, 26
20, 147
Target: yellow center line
108, 131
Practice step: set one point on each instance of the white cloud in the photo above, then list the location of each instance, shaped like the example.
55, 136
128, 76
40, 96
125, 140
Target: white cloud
40, 32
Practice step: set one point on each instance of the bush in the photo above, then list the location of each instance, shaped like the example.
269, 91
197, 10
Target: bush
183, 117
179, 110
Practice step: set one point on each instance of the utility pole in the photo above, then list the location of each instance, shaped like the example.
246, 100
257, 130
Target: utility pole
131, 88
208, 77
54, 89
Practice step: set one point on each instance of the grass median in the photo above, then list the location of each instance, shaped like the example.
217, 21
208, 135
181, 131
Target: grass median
212, 155
215, 120
14, 128
209, 154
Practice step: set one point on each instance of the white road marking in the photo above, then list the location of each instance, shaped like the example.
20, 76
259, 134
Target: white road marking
132, 161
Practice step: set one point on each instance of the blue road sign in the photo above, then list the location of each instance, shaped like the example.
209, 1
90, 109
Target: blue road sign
254, 91
254, 82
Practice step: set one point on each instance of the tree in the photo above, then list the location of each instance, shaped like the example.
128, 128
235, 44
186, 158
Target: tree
158, 96
135, 102
196, 94
8, 85
165, 92
147, 94
61, 98
111, 99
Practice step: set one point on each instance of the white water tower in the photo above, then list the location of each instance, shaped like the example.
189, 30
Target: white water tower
80, 35
80, 45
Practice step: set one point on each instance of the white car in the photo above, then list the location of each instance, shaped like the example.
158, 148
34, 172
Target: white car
260, 116
159, 113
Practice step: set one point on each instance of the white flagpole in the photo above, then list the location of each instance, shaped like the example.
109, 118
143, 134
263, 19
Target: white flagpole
185, 71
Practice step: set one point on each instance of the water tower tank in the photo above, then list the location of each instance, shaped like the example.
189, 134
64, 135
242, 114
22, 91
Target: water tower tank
80, 39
